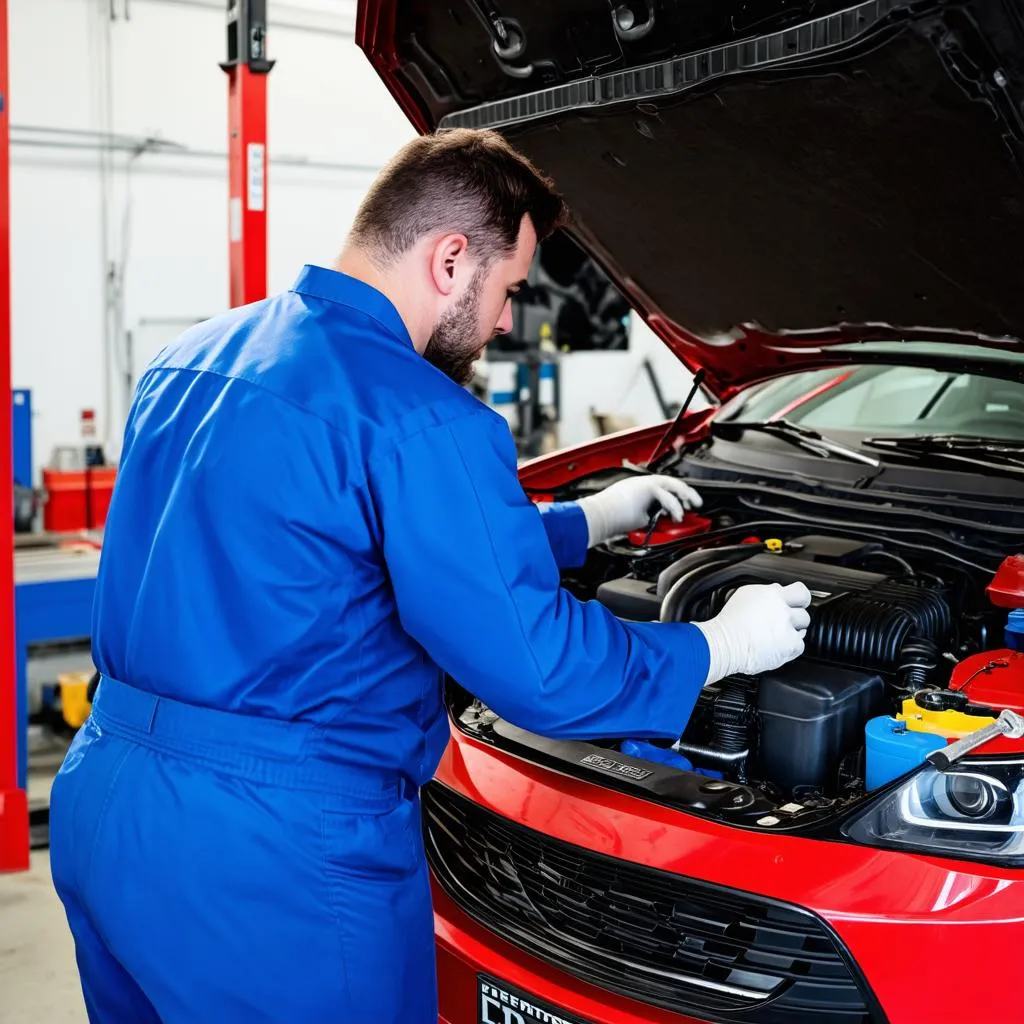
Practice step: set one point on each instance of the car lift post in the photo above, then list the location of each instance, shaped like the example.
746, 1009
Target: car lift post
247, 68
14, 847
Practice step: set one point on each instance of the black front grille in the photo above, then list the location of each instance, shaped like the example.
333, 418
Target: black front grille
657, 937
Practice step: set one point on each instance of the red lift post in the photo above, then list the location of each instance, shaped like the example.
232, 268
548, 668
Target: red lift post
14, 848
247, 67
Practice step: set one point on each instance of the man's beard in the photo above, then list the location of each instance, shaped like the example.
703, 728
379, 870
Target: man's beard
455, 344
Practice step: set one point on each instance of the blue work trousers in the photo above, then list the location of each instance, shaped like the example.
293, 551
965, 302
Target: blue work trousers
232, 877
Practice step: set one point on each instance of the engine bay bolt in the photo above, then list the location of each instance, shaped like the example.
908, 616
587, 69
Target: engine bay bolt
625, 18
1000, 79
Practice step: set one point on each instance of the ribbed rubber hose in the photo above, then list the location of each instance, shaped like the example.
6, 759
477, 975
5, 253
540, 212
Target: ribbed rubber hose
673, 601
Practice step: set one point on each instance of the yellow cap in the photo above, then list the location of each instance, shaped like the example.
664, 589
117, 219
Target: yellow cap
949, 723
774, 544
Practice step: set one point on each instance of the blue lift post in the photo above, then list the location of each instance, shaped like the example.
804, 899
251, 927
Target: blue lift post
53, 589
21, 431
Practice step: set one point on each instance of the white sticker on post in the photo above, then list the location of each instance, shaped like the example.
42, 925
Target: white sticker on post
256, 157
235, 219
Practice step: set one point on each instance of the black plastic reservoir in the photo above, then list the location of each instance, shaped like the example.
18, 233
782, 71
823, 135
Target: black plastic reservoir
811, 715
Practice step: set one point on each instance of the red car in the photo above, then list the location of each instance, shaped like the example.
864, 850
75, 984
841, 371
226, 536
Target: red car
820, 208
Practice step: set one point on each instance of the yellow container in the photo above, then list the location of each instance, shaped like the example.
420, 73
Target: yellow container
949, 723
74, 697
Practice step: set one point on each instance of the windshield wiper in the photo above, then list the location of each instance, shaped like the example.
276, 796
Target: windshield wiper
983, 452
803, 437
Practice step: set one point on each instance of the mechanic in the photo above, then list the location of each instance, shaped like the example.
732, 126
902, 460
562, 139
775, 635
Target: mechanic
313, 520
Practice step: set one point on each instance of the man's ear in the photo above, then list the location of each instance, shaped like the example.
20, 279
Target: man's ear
448, 259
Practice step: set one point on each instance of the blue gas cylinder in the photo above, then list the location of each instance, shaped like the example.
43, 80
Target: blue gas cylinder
893, 750
1015, 630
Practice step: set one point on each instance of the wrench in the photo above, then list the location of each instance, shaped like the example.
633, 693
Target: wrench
1009, 723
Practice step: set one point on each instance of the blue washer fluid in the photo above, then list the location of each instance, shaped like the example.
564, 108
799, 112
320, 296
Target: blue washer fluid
893, 750
1015, 630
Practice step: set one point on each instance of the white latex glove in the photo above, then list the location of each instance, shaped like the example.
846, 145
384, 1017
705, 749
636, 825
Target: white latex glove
761, 627
626, 505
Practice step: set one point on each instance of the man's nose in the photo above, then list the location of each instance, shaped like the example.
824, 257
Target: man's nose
504, 324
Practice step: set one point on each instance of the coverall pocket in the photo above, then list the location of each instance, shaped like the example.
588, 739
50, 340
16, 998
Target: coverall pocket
372, 844
380, 895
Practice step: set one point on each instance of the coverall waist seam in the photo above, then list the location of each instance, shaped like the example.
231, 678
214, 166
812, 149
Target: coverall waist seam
272, 751
318, 777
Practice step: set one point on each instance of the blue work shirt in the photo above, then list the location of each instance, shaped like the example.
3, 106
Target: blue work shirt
311, 522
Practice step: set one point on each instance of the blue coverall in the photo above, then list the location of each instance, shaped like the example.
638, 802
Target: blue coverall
310, 523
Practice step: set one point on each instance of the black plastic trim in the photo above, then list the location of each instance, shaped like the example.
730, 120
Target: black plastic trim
477, 908
680, 74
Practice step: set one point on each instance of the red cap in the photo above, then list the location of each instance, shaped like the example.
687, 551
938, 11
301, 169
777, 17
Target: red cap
1007, 588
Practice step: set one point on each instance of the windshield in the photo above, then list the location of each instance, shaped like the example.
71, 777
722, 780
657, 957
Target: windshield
888, 399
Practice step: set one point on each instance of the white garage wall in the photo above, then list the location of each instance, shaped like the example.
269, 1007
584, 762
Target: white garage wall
112, 234
615, 383
160, 216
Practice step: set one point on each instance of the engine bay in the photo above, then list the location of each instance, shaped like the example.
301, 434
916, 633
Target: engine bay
873, 633
901, 618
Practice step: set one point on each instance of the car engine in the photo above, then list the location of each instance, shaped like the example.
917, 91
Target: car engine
874, 636
902, 618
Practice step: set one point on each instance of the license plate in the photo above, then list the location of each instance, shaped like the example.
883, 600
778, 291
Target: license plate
500, 1003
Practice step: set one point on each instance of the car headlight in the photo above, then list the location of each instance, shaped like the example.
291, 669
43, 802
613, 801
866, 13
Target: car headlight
974, 811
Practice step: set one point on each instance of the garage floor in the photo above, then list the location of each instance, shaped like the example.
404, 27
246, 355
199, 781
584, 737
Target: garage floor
38, 979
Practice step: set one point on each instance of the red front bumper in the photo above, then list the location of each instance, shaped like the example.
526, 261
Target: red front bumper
920, 929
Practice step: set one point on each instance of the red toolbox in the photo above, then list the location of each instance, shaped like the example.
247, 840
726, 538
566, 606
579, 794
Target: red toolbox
67, 500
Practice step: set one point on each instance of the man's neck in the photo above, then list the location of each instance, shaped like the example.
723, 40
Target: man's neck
355, 263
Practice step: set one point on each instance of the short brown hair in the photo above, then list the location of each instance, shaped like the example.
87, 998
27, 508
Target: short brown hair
464, 180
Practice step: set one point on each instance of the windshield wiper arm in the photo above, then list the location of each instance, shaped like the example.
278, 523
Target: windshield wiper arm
984, 452
804, 437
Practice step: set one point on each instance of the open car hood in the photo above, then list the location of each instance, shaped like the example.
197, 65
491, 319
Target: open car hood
774, 186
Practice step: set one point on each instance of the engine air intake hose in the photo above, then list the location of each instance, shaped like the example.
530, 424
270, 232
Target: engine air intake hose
894, 627
674, 582
860, 629
731, 718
